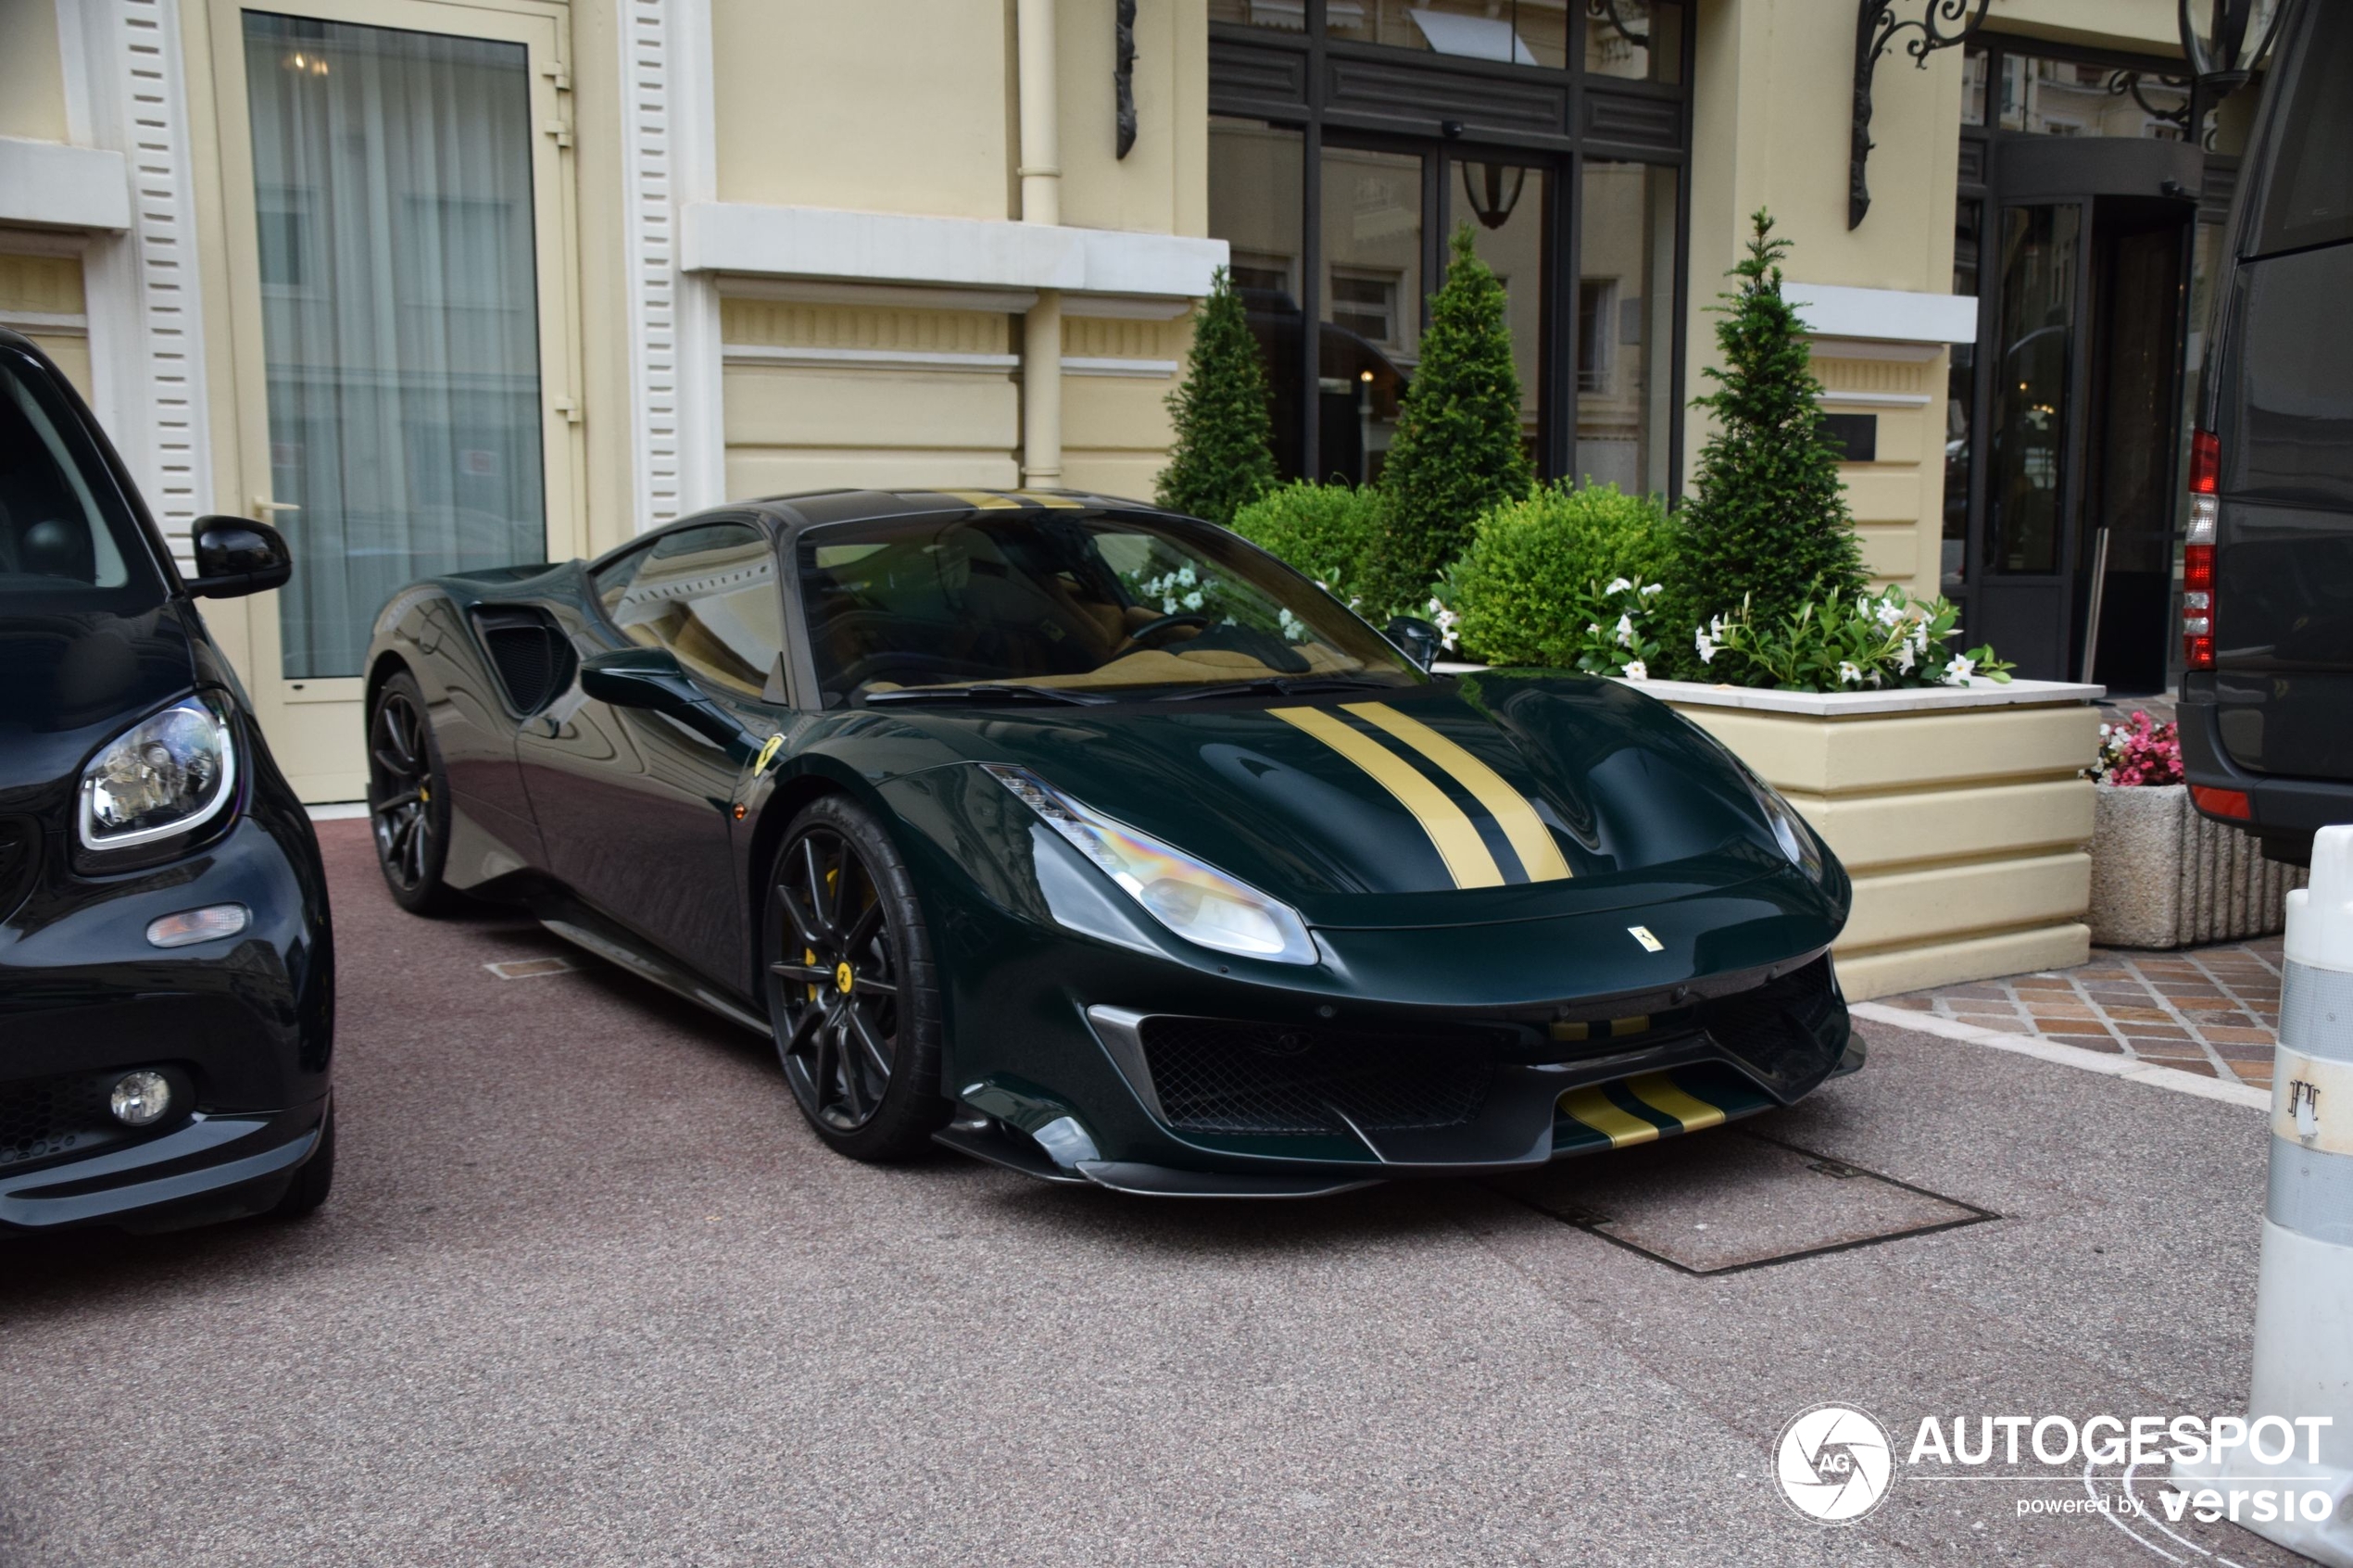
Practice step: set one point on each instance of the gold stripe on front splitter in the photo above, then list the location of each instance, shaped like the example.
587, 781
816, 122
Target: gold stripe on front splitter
1662, 1094
1450, 829
1594, 1108
1597, 1110
1526, 832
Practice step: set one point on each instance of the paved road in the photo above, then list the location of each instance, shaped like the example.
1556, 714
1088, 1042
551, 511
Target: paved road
588, 1293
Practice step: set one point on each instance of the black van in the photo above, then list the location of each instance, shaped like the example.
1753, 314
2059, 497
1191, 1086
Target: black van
2267, 611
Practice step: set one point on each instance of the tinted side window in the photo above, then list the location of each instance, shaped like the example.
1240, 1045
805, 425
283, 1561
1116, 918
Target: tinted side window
708, 594
60, 526
2287, 418
2308, 187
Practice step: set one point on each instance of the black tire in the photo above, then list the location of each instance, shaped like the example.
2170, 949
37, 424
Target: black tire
862, 1058
409, 799
314, 1181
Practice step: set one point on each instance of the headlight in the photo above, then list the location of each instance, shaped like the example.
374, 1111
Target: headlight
172, 772
1198, 902
1796, 839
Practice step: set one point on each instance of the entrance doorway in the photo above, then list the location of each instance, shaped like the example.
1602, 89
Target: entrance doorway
401, 310
2085, 313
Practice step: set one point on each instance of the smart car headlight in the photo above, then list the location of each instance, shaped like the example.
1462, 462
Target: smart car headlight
1197, 901
172, 772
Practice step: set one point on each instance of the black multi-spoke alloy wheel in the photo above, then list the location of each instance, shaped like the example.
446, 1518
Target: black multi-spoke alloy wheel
851, 990
408, 798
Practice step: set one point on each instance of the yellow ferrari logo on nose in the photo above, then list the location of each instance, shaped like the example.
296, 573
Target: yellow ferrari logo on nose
843, 978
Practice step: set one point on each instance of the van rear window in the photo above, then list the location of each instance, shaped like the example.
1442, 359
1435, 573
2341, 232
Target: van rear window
2308, 189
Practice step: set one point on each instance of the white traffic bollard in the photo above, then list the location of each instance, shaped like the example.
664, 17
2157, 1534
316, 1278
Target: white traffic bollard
2304, 1291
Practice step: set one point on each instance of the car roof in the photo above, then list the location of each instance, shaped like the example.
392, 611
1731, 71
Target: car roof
814, 508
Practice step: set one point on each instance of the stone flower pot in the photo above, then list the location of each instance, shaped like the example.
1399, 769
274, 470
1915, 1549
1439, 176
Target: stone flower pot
2163, 876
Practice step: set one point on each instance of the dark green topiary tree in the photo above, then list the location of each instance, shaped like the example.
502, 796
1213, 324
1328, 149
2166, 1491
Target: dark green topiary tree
1457, 450
1766, 519
1224, 456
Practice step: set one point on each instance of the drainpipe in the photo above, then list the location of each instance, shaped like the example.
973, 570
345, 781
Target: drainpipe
1041, 175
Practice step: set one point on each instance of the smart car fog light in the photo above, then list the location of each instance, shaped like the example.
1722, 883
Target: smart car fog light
1197, 901
140, 1099
172, 772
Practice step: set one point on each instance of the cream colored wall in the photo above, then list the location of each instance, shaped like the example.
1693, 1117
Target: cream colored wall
2143, 26
1161, 186
32, 87
47, 288
882, 106
1771, 119
1115, 427
1965, 832
810, 421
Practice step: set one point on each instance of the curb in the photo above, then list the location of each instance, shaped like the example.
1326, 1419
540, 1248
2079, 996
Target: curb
2139, 1071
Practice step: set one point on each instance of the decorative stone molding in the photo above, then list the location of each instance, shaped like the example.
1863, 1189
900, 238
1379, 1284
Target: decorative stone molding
147, 310
51, 186
785, 324
676, 446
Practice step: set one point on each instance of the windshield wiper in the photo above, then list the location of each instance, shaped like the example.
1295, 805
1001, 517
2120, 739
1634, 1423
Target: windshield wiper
1277, 685
985, 691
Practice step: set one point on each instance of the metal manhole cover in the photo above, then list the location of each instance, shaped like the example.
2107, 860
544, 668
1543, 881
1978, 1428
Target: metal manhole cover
1716, 1203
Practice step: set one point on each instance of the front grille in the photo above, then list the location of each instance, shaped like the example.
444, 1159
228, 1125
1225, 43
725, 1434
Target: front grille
1213, 1075
533, 659
19, 858
1777, 1026
53, 1116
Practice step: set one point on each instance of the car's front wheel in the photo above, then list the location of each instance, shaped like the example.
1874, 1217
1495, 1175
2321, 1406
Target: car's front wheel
852, 993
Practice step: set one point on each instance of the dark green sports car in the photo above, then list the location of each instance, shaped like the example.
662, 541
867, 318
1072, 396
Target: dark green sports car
1096, 842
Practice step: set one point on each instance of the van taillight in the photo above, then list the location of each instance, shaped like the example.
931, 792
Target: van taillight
2197, 554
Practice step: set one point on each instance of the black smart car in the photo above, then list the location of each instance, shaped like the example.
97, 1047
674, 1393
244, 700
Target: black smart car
166, 977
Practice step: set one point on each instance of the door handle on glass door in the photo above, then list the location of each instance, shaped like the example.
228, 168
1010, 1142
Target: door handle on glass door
261, 504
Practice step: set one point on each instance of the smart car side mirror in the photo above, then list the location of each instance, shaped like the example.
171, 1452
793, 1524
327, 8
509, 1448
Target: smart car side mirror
237, 556
636, 678
1415, 638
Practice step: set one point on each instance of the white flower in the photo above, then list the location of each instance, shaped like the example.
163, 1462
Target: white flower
1194, 599
1650, 588
1625, 632
1617, 586
1956, 672
1849, 673
1168, 607
1706, 644
1637, 670
1593, 628
1904, 659
1185, 577
1888, 613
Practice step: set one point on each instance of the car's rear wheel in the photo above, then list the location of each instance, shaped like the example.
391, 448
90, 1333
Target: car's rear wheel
852, 993
409, 799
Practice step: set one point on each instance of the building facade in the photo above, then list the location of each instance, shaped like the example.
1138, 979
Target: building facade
446, 283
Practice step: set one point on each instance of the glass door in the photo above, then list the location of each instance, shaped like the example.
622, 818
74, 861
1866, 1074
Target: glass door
401, 304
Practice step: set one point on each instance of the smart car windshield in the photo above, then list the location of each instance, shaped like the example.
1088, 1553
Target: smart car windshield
63, 528
1068, 602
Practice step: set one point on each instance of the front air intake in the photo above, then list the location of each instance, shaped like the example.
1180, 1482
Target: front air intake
1215, 1076
532, 656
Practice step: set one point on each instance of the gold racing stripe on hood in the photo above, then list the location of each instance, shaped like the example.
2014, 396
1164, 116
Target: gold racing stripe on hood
1526, 832
1459, 842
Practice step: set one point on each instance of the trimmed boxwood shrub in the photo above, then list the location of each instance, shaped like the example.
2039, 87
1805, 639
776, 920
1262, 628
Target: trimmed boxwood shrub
1531, 562
1329, 531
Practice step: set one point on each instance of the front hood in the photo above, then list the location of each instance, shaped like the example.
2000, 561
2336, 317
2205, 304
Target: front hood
71, 681
1492, 798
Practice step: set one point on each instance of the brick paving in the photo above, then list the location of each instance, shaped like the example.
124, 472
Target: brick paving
2214, 1010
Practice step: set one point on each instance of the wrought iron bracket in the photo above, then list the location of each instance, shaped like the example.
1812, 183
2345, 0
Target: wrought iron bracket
1942, 24
1122, 78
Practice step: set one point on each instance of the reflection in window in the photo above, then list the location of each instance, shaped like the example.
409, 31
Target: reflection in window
1625, 298
1508, 207
2039, 251
1256, 198
1641, 39
1973, 87
1372, 305
2049, 98
1960, 398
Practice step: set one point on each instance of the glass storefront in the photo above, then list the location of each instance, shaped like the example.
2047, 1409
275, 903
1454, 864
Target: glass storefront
1339, 228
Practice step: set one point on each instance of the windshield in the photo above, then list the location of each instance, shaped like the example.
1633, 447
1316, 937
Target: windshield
63, 531
1082, 602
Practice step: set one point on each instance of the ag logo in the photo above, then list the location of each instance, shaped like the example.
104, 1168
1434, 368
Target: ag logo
1834, 1463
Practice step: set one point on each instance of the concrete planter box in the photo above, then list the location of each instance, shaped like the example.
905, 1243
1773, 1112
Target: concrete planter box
2163, 876
1961, 812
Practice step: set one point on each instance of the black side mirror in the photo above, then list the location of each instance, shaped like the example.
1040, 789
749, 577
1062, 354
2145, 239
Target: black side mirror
236, 556
1415, 638
646, 678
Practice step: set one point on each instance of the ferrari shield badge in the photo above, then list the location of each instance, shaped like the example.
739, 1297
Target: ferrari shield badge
1642, 933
